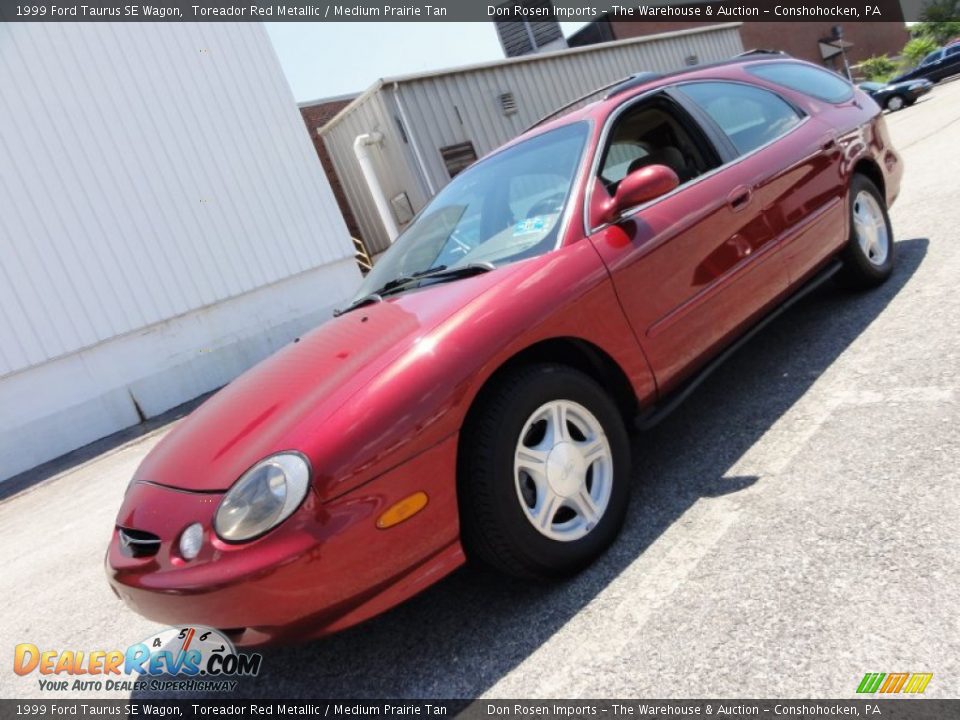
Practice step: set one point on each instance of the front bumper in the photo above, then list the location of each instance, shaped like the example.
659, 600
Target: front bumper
323, 569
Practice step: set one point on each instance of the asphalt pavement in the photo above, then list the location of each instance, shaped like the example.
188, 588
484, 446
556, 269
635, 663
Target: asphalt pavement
795, 525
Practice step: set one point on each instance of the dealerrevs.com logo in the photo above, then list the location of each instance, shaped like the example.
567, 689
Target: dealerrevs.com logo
191, 658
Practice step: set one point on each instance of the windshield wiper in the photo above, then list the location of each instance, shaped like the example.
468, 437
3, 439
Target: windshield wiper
360, 301
444, 273
440, 272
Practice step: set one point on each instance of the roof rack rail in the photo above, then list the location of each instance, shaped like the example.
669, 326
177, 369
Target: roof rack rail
614, 88
635, 80
762, 51
642, 78
560, 110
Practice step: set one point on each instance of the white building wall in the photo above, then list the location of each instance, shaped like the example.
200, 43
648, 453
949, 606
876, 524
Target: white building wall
165, 224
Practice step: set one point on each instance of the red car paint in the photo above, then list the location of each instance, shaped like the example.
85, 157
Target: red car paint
375, 398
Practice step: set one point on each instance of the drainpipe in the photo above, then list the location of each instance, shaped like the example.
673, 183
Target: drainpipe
361, 148
412, 134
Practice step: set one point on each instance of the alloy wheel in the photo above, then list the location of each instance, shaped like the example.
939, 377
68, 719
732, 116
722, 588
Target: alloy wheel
563, 470
871, 228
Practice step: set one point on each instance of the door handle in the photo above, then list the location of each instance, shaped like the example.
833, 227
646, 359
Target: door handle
828, 143
739, 198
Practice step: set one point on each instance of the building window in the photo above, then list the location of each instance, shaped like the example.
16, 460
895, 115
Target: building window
458, 157
523, 37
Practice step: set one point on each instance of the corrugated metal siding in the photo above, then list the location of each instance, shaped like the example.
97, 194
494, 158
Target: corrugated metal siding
450, 108
147, 171
393, 162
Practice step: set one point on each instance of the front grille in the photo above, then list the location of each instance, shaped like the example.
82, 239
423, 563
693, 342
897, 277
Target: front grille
138, 543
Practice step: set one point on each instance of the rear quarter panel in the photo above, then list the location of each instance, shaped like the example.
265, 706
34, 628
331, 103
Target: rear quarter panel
861, 133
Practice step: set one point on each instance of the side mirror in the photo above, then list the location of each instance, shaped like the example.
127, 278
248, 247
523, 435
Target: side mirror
639, 187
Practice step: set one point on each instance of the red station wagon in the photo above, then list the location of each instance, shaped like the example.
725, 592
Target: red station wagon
473, 400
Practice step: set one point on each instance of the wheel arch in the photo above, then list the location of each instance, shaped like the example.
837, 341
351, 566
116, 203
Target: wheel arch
574, 352
869, 168
481, 503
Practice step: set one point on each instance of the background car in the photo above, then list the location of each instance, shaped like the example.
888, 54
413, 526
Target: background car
941, 63
474, 399
894, 96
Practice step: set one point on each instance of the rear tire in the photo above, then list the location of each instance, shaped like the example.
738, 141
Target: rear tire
869, 254
894, 103
543, 473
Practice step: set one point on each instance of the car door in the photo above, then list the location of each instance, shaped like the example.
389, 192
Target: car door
951, 61
931, 66
695, 266
798, 173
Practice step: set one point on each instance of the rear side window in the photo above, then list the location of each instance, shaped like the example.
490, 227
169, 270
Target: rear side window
813, 81
750, 116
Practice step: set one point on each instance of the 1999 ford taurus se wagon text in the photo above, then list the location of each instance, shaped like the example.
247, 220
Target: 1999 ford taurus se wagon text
472, 400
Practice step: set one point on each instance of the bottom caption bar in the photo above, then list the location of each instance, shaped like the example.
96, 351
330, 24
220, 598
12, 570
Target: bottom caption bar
908, 708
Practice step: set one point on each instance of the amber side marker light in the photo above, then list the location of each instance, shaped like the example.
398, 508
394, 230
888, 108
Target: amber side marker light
403, 510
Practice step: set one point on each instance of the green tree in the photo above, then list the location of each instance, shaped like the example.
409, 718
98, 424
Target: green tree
918, 48
940, 21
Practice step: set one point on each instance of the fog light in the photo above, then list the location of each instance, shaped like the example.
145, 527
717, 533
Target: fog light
190, 541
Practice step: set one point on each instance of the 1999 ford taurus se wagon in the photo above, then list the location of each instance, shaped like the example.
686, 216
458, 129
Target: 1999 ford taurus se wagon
472, 400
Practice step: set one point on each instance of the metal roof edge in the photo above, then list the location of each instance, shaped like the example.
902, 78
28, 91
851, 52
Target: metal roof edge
536, 57
324, 100
357, 101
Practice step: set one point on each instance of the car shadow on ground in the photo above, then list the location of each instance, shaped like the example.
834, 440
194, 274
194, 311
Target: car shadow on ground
460, 637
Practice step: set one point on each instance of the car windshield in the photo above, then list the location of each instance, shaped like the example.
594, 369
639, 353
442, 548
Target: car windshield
871, 86
505, 208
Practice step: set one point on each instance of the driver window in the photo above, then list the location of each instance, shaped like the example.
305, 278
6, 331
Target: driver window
653, 134
621, 155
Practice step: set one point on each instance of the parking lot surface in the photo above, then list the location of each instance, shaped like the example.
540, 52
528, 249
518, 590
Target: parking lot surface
793, 526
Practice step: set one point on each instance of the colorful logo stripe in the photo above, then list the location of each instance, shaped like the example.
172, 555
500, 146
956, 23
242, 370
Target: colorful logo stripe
888, 683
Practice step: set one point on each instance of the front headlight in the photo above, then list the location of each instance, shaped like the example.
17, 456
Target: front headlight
263, 497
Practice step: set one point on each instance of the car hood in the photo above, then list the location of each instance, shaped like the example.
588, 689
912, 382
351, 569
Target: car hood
283, 401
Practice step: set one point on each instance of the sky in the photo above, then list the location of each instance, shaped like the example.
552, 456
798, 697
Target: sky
328, 59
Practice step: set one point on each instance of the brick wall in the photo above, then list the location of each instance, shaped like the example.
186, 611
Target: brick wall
799, 39
316, 116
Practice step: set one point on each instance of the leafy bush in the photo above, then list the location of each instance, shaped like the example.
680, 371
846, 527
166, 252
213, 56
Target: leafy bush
878, 68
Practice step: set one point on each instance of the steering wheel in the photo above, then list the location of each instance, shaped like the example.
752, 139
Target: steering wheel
547, 206
460, 246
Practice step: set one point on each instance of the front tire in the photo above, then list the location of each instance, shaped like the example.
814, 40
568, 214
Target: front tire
869, 254
543, 473
894, 103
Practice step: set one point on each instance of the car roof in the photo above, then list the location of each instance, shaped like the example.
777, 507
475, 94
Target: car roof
614, 94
